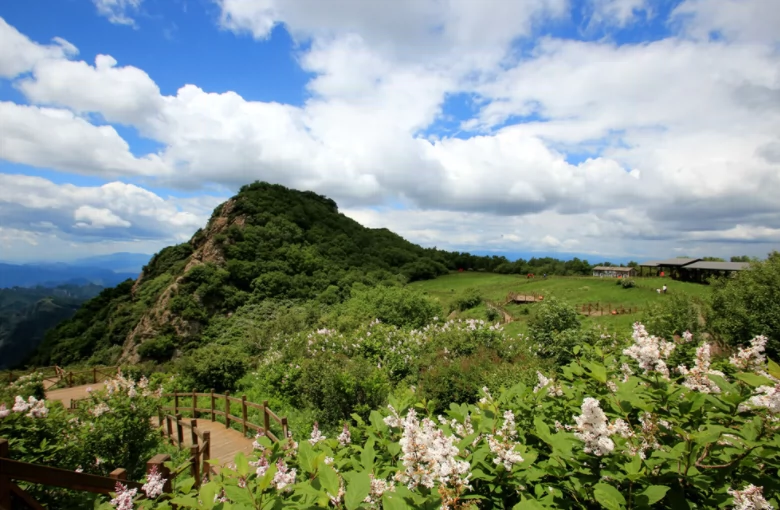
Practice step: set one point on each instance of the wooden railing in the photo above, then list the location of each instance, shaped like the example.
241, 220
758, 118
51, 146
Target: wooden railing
200, 449
12, 471
223, 409
605, 309
56, 376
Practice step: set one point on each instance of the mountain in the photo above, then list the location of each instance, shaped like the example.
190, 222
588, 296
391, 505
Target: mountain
27, 313
266, 243
53, 274
122, 262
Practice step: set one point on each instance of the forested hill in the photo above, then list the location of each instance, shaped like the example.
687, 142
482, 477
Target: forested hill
267, 242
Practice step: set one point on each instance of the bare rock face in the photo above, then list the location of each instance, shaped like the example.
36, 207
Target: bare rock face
206, 250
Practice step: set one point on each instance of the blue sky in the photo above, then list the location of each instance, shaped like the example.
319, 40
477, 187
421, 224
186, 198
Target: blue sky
609, 128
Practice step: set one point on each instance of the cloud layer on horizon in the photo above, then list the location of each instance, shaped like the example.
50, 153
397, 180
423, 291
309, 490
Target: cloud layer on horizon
573, 145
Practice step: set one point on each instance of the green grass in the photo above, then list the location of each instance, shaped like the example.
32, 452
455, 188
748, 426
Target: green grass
574, 290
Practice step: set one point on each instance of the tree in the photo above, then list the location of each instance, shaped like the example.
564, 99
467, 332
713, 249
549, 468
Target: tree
748, 304
740, 258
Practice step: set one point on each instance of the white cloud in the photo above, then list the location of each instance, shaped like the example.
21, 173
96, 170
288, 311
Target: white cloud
87, 216
118, 11
18, 54
736, 20
57, 139
617, 12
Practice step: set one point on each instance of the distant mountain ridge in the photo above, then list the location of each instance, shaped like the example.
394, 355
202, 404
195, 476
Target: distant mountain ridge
53, 274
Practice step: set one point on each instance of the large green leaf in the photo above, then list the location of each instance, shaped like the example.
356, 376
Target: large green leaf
242, 464
306, 457
235, 494
367, 456
753, 380
329, 479
773, 369
652, 495
358, 488
528, 504
391, 501
597, 371
608, 496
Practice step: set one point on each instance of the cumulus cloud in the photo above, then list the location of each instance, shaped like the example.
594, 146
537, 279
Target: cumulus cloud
118, 12
18, 54
116, 210
619, 145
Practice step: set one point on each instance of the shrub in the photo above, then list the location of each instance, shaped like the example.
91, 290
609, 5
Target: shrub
159, 348
213, 366
492, 314
457, 380
555, 328
674, 315
627, 283
401, 307
471, 298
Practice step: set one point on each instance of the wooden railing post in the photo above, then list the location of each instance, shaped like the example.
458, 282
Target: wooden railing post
179, 430
70, 379
285, 432
118, 474
160, 421
159, 461
5, 480
194, 404
213, 416
194, 464
243, 413
266, 417
227, 409
94, 375
193, 435
175, 403
170, 427
206, 454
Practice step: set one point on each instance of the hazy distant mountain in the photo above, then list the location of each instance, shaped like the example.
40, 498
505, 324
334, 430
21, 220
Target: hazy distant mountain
52, 274
118, 262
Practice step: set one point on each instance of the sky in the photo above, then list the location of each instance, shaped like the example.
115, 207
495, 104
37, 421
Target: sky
610, 128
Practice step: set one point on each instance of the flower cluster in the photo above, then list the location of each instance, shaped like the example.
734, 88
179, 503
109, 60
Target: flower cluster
124, 497
696, 378
594, 429
750, 498
316, 435
284, 477
553, 389
345, 438
429, 456
650, 352
154, 485
502, 443
751, 358
766, 396
378, 487
33, 407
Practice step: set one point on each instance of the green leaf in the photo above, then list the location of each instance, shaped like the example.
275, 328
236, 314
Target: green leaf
207, 492
542, 429
608, 496
185, 502
528, 504
329, 479
652, 495
377, 421
357, 489
367, 456
235, 494
597, 371
576, 349
242, 464
306, 457
266, 480
391, 501
773, 369
753, 380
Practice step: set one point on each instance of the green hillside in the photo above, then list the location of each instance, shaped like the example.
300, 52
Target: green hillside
267, 242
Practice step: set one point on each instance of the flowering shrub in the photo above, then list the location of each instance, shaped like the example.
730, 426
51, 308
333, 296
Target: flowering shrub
615, 428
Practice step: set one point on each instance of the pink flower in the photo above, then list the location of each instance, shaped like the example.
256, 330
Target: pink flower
124, 497
154, 484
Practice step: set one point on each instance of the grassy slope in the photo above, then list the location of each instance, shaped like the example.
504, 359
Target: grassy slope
574, 290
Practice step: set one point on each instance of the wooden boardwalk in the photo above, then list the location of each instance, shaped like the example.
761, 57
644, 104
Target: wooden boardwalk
225, 443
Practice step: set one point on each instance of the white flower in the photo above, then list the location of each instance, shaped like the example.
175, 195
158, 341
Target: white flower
344, 438
378, 487
749, 498
3, 411
502, 444
154, 484
328, 460
261, 465
687, 337
553, 390
100, 409
751, 358
284, 476
124, 497
767, 396
394, 420
649, 351
20, 405
316, 435
696, 378
593, 428
612, 386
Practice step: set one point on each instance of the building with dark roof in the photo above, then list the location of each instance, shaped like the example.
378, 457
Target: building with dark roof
614, 272
690, 269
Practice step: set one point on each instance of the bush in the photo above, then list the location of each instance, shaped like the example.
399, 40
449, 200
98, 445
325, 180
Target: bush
213, 366
160, 348
471, 298
457, 380
627, 283
492, 315
397, 306
674, 315
748, 304
555, 328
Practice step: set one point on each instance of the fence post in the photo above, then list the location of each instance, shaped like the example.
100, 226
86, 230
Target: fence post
160, 421
212, 404
284, 428
195, 468
243, 413
5, 480
70, 379
170, 427
266, 418
194, 404
179, 430
193, 435
206, 454
94, 375
159, 461
175, 403
118, 474
227, 409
